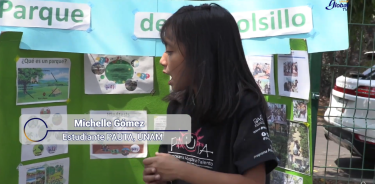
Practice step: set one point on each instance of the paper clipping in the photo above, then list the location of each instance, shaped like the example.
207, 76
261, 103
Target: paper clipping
59, 122
300, 110
294, 75
108, 74
55, 171
262, 69
42, 80
136, 150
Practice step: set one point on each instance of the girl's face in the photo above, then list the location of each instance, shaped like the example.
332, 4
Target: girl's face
173, 63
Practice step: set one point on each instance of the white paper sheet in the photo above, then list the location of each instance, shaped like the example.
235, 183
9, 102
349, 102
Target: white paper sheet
294, 75
262, 68
300, 111
42, 80
54, 171
36, 151
107, 74
136, 150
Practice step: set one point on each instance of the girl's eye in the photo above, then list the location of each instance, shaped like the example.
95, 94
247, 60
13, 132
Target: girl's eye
169, 52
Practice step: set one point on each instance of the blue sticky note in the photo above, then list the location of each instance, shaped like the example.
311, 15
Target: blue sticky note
135, 11
134, 37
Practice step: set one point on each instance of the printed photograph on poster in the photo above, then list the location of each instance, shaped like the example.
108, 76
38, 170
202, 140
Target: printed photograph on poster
263, 71
56, 115
298, 148
290, 142
276, 113
279, 131
109, 74
136, 150
42, 80
54, 171
294, 75
278, 177
300, 110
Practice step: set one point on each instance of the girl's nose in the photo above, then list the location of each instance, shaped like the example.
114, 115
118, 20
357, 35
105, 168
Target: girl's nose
163, 60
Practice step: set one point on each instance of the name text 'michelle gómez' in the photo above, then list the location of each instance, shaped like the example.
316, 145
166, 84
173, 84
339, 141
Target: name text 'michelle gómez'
106, 123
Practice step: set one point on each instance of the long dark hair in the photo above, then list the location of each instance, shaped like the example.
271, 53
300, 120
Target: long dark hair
214, 60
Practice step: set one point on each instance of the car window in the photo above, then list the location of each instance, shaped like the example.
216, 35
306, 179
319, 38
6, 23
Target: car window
368, 71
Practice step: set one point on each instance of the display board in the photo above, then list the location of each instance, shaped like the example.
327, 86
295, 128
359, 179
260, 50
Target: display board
82, 168
295, 44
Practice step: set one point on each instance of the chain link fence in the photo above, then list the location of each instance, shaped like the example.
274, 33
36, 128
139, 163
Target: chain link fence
345, 133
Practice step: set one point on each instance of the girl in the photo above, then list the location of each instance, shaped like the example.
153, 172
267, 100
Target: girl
212, 83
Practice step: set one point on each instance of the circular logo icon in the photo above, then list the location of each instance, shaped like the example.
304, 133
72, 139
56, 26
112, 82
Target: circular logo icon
98, 68
135, 148
131, 85
125, 151
45, 113
135, 63
51, 149
40, 131
57, 119
38, 149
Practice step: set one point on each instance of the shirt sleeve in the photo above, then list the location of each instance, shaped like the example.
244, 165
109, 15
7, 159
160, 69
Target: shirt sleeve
253, 145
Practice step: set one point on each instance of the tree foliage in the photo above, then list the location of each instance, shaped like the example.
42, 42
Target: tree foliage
304, 141
25, 74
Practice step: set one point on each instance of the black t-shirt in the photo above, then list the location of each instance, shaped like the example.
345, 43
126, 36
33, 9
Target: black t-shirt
233, 147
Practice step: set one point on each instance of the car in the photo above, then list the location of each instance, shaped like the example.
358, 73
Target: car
351, 112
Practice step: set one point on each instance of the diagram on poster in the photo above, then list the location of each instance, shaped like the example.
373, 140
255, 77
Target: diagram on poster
294, 75
42, 80
300, 110
278, 177
291, 146
55, 171
263, 71
136, 150
57, 115
108, 74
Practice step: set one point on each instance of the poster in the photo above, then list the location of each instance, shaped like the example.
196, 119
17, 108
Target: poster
54, 114
108, 74
294, 75
263, 71
42, 80
54, 171
291, 146
300, 110
278, 177
136, 150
